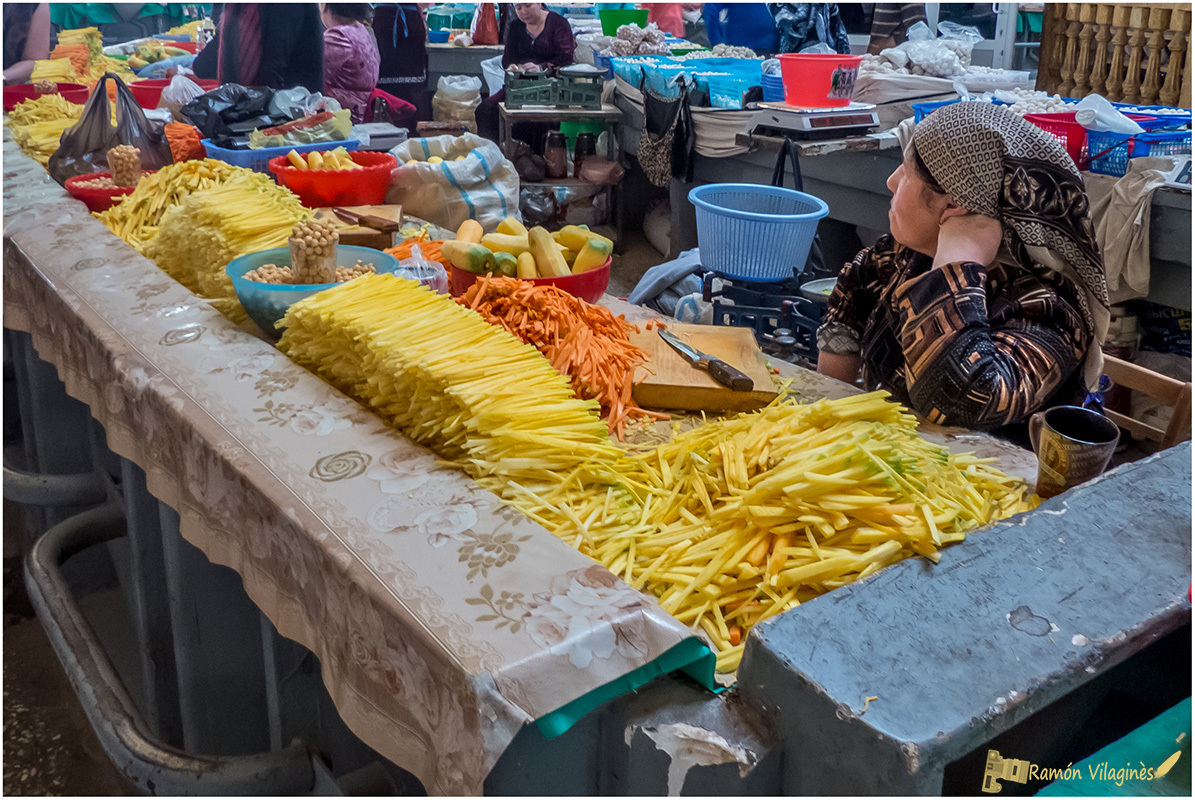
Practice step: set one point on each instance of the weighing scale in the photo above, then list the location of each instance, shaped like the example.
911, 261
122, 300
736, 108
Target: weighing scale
781, 119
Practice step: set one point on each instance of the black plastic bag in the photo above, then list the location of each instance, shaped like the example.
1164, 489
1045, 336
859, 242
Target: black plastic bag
231, 111
83, 148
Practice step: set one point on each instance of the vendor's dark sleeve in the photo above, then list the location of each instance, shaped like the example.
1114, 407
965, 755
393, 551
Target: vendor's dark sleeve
206, 64
962, 368
292, 49
852, 302
561, 43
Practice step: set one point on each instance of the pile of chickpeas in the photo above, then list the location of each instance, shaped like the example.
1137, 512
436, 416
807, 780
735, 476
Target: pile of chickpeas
313, 251
124, 162
272, 273
103, 182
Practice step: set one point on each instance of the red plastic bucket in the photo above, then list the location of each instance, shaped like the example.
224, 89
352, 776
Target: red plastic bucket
149, 92
588, 286
819, 80
97, 199
19, 93
321, 188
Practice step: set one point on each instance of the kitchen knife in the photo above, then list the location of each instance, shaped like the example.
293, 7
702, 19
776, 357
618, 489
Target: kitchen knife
718, 369
366, 220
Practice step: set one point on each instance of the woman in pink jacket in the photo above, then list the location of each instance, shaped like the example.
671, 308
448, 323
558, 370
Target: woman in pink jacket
350, 55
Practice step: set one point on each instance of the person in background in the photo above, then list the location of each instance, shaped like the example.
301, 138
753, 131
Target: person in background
742, 25
988, 302
667, 17
536, 40
350, 56
694, 24
889, 23
804, 24
26, 39
279, 45
402, 44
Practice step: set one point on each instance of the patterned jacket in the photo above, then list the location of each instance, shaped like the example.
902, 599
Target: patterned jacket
966, 345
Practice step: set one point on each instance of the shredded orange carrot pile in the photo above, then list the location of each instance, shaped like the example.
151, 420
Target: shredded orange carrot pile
429, 249
77, 53
584, 342
185, 142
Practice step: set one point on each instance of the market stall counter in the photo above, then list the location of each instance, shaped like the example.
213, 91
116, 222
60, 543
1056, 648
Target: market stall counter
460, 640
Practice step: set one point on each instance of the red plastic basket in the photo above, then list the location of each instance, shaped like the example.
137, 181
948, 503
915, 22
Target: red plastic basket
149, 92
819, 80
588, 286
94, 198
15, 95
320, 188
1070, 134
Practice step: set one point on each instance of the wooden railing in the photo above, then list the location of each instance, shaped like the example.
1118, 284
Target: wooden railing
1127, 52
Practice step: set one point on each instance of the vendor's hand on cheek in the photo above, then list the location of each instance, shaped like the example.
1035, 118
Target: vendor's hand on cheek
963, 236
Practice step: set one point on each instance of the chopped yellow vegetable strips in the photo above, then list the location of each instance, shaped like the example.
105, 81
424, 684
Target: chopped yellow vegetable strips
728, 524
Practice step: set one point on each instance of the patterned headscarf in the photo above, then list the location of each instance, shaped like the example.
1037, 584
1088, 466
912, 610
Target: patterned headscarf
992, 162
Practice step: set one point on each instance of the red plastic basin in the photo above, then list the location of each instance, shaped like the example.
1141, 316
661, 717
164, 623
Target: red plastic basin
97, 199
19, 93
320, 188
149, 92
588, 286
819, 80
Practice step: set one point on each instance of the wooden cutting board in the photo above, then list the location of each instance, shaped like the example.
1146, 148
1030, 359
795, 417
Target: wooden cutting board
677, 384
364, 237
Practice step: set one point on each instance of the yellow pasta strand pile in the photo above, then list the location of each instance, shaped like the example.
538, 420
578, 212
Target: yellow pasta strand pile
53, 70
447, 378
198, 237
38, 124
728, 524
759, 513
137, 217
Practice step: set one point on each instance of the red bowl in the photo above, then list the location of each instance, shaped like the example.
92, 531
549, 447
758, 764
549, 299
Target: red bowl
320, 188
149, 92
19, 93
94, 198
588, 286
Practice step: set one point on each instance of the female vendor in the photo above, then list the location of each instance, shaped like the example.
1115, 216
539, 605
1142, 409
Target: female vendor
536, 40
988, 301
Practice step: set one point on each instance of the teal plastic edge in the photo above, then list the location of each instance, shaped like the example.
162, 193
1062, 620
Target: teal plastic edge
691, 656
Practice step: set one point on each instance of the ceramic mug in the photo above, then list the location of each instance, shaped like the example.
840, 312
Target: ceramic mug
1073, 445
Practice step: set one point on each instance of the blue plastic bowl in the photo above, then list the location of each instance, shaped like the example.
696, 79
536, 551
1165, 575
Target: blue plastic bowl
267, 303
437, 37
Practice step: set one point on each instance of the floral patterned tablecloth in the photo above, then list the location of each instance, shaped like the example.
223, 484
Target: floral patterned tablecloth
443, 621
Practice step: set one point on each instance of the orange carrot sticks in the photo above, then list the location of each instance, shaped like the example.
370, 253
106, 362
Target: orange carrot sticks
586, 343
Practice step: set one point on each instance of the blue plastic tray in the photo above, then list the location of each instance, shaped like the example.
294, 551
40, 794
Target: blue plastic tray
259, 160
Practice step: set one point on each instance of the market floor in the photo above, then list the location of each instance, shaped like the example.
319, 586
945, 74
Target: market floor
49, 747
637, 257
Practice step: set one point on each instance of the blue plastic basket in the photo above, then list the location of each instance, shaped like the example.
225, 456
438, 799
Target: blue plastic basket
266, 303
773, 89
753, 232
259, 160
1111, 151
